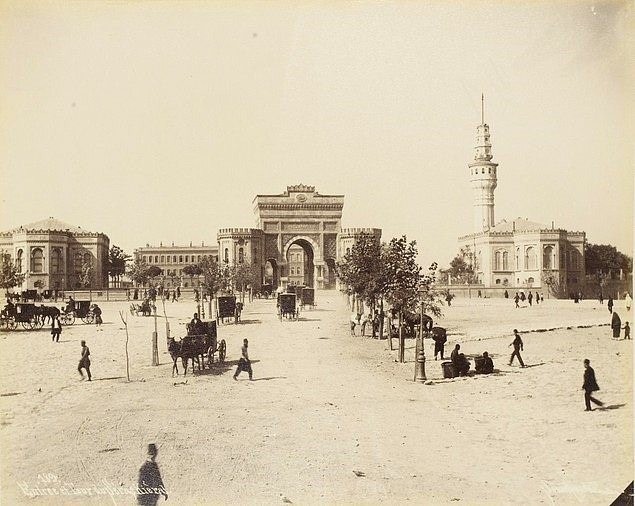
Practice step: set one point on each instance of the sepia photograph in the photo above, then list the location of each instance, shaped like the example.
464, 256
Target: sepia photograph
316, 252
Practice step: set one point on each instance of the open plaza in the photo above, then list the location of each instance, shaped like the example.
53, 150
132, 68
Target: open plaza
329, 418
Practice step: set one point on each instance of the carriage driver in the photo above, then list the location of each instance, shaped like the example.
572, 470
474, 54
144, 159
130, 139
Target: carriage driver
195, 324
9, 308
70, 305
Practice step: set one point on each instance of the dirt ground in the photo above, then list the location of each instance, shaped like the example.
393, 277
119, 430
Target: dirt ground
330, 418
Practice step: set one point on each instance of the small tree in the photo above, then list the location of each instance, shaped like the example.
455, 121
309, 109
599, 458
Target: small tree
86, 276
138, 272
554, 283
116, 264
211, 272
462, 267
191, 271
10, 276
154, 271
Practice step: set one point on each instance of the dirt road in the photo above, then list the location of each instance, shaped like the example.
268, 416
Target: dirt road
328, 419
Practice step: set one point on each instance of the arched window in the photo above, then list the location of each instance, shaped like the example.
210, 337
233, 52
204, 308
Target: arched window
173, 259
150, 259
162, 259
547, 258
530, 281
517, 259
37, 260
241, 255
156, 259
498, 281
505, 261
348, 251
199, 258
56, 261
226, 256
145, 258
530, 258
88, 259
18, 260
180, 259
498, 262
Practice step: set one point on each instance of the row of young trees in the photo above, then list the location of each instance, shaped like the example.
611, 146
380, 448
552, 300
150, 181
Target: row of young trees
382, 274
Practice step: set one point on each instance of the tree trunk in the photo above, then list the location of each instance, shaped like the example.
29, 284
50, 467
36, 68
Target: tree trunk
381, 318
402, 340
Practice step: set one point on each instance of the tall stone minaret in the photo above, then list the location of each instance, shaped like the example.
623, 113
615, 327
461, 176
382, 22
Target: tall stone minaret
483, 176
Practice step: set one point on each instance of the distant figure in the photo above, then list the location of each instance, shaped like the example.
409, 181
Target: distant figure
616, 325
448, 299
84, 362
628, 301
97, 313
244, 364
601, 298
480, 294
542, 298
173, 295
609, 304
516, 299
506, 294
353, 322
367, 321
517, 343
589, 386
196, 296
627, 331
537, 299
530, 298
128, 293
576, 299
56, 329
439, 337
135, 295
178, 293
522, 296
486, 366
150, 485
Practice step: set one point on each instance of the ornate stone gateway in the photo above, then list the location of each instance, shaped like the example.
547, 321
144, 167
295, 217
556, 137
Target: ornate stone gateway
303, 217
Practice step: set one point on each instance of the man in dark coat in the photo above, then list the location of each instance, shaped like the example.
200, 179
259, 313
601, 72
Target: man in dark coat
150, 485
616, 325
244, 364
84, 362
517, 343
516, 299
609, 304
530, 298
439, 337
589, 386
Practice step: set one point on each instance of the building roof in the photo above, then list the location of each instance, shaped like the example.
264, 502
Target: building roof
52, 224
518, 225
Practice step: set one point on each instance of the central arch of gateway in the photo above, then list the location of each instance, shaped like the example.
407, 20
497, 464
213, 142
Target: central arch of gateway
299, 238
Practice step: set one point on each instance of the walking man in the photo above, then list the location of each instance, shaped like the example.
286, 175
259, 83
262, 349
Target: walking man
609, 304
517, 343
589, 386
627, 331
439, 336
244, 364
150, 485
628, 301
56, 328
516, 299
530, 298
84, 362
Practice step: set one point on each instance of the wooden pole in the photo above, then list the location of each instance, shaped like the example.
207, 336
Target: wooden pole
402, 341
125, 324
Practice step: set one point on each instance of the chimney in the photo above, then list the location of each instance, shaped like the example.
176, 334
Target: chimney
551, 224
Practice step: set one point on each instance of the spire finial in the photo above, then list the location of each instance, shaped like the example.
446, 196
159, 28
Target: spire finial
482, 109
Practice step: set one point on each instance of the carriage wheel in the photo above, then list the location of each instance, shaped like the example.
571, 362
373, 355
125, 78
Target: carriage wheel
26, 325
222, 350
210, 356
68, 319
38, 323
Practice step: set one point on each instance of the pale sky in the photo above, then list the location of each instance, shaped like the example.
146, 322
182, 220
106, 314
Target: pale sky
160, 121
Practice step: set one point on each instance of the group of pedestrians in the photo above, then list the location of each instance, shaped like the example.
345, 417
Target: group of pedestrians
521, 297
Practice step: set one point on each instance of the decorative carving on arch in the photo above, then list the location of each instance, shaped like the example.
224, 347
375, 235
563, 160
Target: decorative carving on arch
271, 246
288, 240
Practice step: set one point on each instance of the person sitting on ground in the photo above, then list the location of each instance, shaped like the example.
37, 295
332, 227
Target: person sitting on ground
486, 366
464, 365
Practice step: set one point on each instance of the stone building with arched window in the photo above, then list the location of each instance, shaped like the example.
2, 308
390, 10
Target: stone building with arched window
52, 253
520, 253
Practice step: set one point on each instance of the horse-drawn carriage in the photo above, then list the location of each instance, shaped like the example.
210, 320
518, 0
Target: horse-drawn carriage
265, 291
201, 342
26, 314
228, 307
287, 306
307, 297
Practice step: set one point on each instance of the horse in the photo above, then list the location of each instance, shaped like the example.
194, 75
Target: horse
187, 348
48, 312
410, 320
